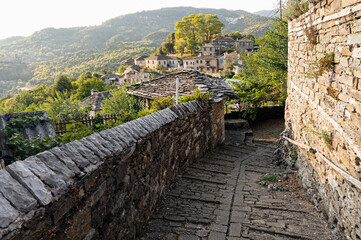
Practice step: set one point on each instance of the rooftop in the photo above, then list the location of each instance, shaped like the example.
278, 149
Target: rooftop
189, 81
96, 99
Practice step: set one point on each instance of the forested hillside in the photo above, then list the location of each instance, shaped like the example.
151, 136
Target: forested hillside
50, 52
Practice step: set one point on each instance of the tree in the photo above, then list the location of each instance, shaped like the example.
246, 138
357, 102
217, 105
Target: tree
265, 75
195, 30
62, 84
121, 103
85, 87
122, 69
180, 45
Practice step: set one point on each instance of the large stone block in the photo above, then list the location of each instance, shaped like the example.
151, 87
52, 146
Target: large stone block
20, 172
16, 193
8, 213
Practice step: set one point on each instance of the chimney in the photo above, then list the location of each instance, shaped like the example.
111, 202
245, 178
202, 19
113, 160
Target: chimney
93, 91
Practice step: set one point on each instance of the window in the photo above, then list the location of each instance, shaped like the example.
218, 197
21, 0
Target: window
201, 61
205, 49
196, 61
207, 69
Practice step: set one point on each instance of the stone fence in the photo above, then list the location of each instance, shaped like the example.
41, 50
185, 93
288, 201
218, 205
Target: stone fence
323, 109
106, 185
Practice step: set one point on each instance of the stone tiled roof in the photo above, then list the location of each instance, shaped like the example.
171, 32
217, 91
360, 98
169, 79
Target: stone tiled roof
158, 57
141, 58
96, 99
244, 40
109, 76
189, 81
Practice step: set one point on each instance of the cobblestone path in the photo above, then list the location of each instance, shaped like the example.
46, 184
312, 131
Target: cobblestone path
220, 197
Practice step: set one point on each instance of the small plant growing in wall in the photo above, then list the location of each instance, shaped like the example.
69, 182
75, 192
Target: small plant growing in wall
320, 66
311, 35
327, 138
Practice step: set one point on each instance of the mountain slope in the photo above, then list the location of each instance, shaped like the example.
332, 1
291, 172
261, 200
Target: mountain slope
268, 13
50, 43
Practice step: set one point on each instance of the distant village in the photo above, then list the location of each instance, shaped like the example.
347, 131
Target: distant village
212, 59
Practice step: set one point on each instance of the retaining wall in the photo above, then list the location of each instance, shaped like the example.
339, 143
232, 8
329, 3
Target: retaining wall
324, 112
106, 186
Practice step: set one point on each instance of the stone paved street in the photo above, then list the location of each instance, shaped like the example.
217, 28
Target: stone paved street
220, 197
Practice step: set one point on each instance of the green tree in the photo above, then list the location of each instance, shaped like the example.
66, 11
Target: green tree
197, 29
62, 84
84, 88
264, 78
64, 107
180, 45
122, 69
121, 103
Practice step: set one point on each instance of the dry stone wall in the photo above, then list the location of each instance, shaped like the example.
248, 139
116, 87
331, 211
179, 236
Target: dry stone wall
106, 186
323, 110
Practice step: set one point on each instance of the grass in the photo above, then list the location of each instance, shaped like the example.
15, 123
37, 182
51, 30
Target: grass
270, 178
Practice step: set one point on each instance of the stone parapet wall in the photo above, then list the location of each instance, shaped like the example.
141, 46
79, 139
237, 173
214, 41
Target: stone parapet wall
324, 112
106, 186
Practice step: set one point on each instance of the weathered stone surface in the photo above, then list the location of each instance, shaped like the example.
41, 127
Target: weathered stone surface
16, 193
321, 112
8, 214
54, 164
70, 150
114, 145
20, 172
65, 159
53, 180
86, 153
93, 142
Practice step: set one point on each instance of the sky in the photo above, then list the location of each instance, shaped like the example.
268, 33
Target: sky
23, 17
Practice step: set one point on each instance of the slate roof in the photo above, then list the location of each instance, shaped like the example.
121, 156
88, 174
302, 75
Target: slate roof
96, 99
141, 58
158, 57
189, 81
109, 76
129, 61
244, 40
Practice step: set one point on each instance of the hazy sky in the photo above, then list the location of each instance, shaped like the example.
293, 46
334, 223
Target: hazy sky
23, 17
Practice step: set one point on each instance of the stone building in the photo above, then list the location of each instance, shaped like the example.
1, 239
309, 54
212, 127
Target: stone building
96, 99
140, 61
189, 81
112, 79
207, 64
323, 109
244, 45
168, 62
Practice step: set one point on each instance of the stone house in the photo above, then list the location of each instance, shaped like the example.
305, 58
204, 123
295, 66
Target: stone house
234, 57
112, 79
206, 64
95, 100
129, 61
189, 63
244, 45
175, 62
140, 61
167, 61
210, 49
189, 81
153, 61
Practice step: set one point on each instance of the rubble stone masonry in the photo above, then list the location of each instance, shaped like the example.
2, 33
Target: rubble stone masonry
106, 185
323, 109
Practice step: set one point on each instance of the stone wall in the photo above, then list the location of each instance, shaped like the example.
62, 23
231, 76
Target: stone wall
106, 186
323, 110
